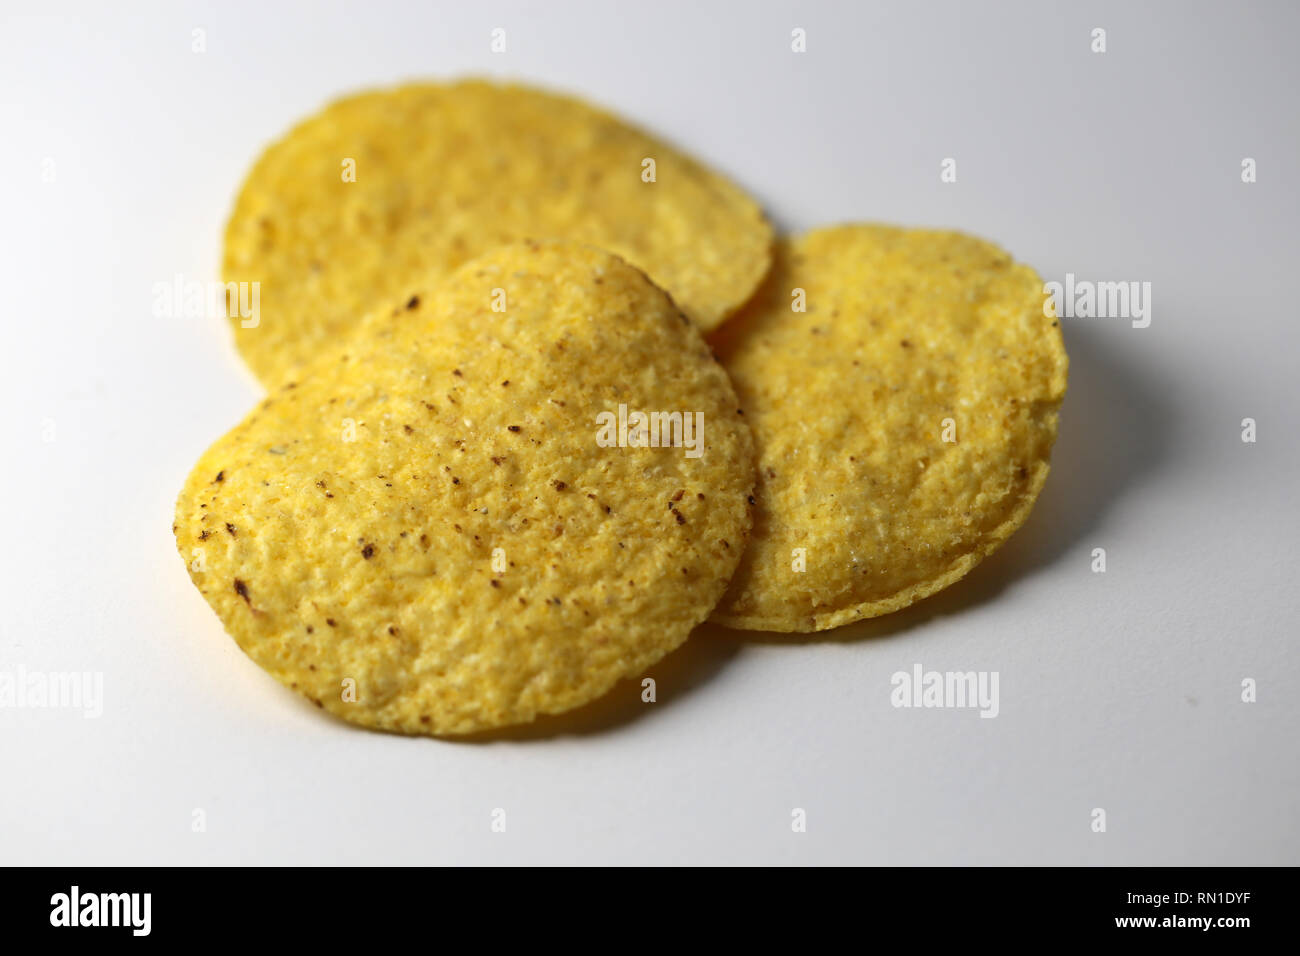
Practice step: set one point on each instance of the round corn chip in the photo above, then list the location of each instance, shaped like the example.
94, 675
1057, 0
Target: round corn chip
431, 532
904, 421
382, 190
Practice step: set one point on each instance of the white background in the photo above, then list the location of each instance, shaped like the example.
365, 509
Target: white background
1118, 690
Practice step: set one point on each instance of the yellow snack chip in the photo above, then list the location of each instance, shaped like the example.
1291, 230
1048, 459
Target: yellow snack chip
903, 387
456, 520
368, 198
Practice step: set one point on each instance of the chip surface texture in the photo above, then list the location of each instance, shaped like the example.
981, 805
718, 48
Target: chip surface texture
424, 534
379, 191
904, 421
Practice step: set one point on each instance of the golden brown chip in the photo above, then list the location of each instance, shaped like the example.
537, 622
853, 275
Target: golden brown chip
904, 420
365, 200
437, 529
